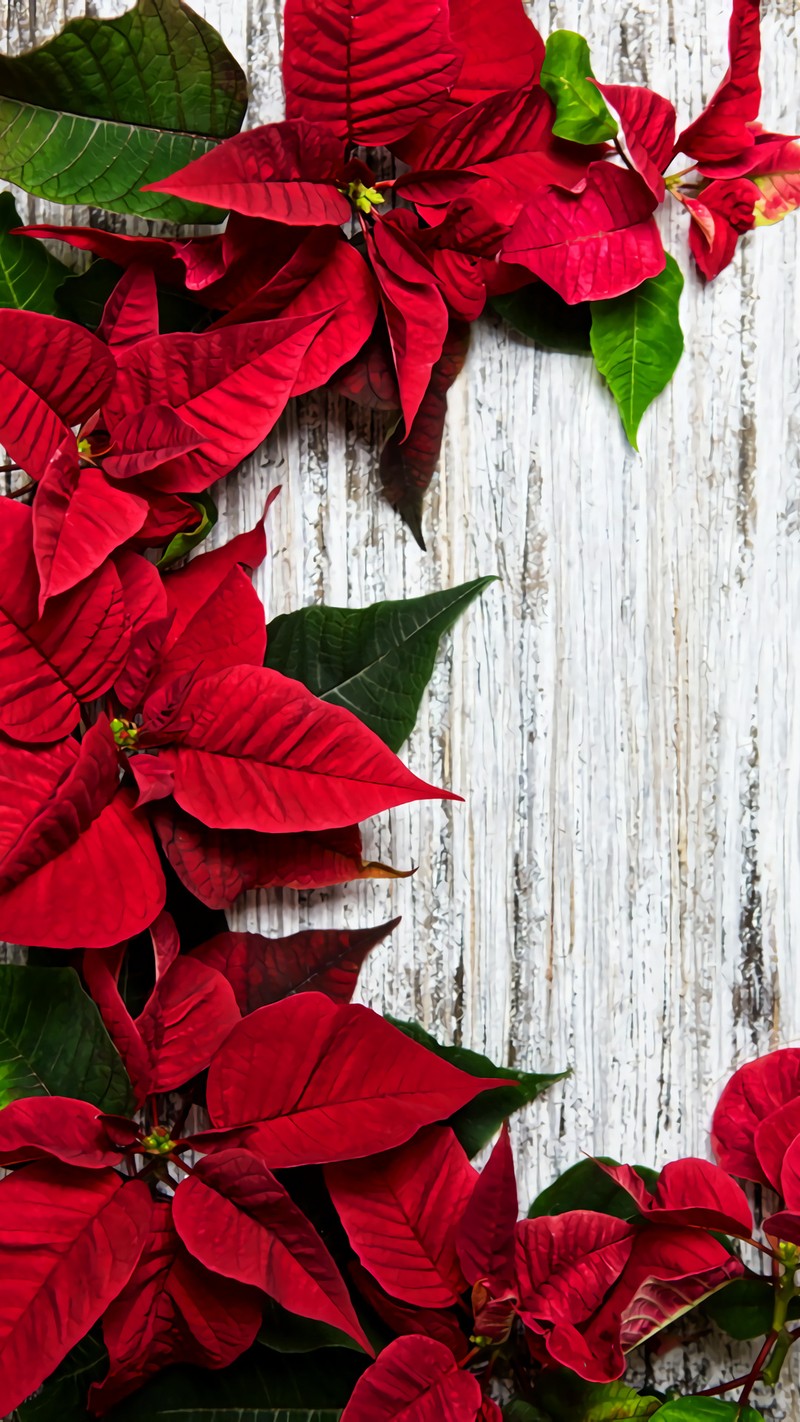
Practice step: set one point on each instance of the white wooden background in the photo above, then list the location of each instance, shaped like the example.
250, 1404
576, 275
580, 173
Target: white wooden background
621, 891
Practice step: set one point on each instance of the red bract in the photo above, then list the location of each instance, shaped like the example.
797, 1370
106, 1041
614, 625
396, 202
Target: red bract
416, 316
69, 1241
689, 1192
414, 1377
486, 1234
53, 375
217, 866
593, 243
753, 1093
230, 385
188, 1015
593, 1287
647, 123
290, 172
721, 131
264, 970
401, 1213
172, 1310
316, 1083
239, 1221
77, 862
334, 69
247, 748
51, 663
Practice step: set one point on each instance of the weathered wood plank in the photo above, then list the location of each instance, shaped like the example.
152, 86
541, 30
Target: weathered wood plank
620, 891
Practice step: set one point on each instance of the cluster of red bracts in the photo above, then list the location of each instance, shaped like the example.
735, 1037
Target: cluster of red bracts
491, 200
197, 737
175, 1231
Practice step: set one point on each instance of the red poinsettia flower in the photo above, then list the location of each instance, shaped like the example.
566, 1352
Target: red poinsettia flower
180, 1273
194, 720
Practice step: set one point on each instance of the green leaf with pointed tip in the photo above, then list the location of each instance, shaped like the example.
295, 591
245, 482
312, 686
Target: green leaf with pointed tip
581, 112
53, 1042
586, 1187
183, 543
705, 1409
63, 1397
375, 661
109, 105
539, 313
637, 342
475, 1125
578, 1401
29, 274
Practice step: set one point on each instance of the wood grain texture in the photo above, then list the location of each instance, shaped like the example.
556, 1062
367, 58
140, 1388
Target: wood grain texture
620, 892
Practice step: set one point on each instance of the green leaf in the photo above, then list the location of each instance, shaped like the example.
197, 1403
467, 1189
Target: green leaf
53, 1042
705, 1409
581, 112
586, 1187
519, 1411
183, 543
263, 1386
570, 1399
743, 1308
375, 661
29, 275
109, 105
63, 1397
539, 313
637, 342
476, 1124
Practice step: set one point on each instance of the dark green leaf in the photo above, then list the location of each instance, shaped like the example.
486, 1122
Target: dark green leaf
581, 112
539, 313
475, 1125
263, 1386
519, 1411
29, 275
109, 105
586, 1187
375, 661
743, 1309
637, 342
63, 1397
183, 543
286, 1332
53, 1042
569, 1399
81, 298
705, 1409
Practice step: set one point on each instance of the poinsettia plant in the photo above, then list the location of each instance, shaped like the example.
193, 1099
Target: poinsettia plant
224, 1184
434, 158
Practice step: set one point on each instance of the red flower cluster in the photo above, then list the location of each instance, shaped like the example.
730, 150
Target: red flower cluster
508, 177
179, 1270
195, 735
